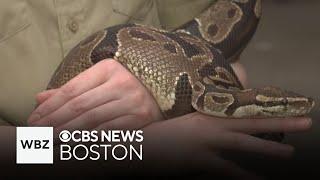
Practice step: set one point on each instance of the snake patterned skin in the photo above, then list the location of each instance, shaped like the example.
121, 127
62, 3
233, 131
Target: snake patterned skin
189, 68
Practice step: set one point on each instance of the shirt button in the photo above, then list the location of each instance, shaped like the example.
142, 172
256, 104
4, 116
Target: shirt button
73, 26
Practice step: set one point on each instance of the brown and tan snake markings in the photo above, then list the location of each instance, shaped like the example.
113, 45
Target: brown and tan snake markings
210, 25
257, 9
189, 69
79, 59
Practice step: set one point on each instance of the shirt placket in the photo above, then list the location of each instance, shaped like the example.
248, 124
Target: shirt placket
71, 17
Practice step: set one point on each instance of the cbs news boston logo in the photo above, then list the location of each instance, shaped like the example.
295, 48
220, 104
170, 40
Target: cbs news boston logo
34, 145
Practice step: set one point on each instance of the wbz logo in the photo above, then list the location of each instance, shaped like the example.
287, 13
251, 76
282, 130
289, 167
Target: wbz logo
34, 145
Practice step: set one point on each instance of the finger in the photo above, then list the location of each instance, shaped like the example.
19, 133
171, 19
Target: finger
215, 164
44, 95
98, 115
91, 78
247, 143
241, 73
253, 126
129, 122
100, 95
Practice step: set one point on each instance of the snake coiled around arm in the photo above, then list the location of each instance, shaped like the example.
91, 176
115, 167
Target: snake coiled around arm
188, 69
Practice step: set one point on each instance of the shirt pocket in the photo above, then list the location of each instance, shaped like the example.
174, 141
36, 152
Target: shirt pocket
13, 18
135, 11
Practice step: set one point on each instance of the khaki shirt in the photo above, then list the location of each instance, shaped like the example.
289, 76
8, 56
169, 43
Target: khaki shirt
35, 35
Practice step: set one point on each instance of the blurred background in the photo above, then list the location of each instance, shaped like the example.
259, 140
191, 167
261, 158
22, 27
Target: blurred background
285, 52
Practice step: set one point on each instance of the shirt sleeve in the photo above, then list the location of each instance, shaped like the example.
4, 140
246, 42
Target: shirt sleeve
4, 123
173, 13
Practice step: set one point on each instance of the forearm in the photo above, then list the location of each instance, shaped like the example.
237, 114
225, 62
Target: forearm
4, 122
7, 141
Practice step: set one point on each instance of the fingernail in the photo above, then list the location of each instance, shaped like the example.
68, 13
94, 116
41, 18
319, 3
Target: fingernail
305, 123
40, 93
33, 118
287, 151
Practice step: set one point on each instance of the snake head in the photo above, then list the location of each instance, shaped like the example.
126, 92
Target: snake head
258, 103
275, 102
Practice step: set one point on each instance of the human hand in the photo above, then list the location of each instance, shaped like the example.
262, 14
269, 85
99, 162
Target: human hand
193, 137
105, 96
193, 142
109, 76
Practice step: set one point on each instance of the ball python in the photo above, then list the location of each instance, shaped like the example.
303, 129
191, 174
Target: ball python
188, 69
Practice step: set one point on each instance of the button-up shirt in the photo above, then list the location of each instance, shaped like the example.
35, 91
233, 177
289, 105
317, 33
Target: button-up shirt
35, 35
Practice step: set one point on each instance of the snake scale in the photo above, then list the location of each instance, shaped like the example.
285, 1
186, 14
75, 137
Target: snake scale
188, 69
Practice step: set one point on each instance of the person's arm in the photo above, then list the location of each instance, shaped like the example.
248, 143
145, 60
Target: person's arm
104, 96
4, 122
8, 144
170, 17
193, 142
107, 96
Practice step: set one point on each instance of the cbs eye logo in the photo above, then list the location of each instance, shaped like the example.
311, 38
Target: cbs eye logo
65, 136
78, 136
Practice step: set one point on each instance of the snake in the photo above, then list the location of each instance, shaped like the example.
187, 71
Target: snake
189, 69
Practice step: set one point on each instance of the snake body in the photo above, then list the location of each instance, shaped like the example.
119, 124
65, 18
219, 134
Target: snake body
188, 69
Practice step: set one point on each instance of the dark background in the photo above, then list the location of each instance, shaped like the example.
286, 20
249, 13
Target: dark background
285, 52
